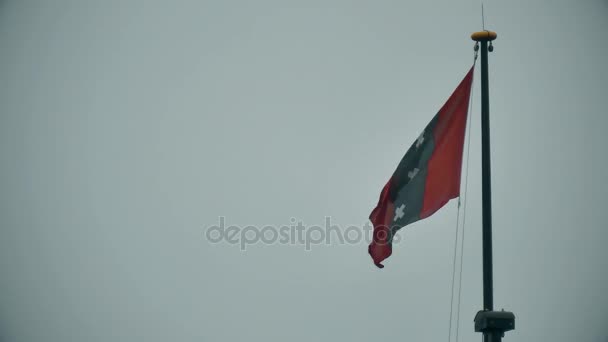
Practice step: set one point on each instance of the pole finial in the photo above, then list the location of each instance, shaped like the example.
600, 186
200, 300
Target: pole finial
482, 36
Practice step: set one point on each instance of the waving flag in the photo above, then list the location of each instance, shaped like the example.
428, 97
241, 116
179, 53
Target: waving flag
427, 177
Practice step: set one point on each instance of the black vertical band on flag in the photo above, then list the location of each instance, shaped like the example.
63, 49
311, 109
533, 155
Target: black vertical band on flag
407, 188
416, 157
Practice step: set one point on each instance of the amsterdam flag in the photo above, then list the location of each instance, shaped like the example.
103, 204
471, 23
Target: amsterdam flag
427, 177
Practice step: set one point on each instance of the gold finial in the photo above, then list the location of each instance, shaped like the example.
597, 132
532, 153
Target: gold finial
484, 36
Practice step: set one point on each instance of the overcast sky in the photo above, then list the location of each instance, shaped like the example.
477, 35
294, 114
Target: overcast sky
127, 128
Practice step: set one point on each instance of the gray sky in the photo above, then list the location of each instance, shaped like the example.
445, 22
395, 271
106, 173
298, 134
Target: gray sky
128, 127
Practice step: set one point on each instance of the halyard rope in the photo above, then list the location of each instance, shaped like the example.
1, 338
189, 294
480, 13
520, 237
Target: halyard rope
464, 210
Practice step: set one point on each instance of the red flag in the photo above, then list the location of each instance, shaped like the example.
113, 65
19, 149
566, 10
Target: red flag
427, 177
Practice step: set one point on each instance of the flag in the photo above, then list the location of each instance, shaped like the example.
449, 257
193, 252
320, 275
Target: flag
427, 177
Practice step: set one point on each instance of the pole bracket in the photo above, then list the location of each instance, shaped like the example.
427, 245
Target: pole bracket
494, 321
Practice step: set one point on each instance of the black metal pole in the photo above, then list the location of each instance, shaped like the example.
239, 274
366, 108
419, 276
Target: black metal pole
486, 195
492, 324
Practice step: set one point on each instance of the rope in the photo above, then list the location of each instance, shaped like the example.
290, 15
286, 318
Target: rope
463, 223
454, 271
464, 208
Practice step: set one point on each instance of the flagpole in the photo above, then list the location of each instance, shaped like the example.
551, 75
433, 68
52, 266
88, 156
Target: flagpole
493, 324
